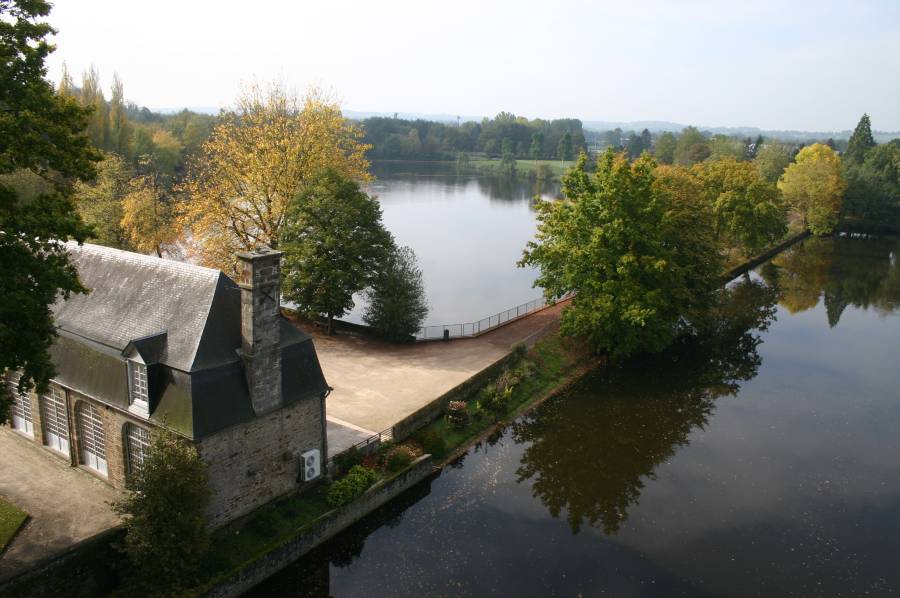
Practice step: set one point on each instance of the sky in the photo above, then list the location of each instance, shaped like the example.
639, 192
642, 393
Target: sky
799, 65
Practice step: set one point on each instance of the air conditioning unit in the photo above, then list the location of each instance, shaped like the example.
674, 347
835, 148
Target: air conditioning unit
310, 465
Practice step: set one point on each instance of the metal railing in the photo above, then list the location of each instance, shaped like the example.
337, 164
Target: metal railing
470, 329
368, 445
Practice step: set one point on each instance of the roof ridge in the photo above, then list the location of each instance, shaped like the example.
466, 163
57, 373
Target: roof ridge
142, 257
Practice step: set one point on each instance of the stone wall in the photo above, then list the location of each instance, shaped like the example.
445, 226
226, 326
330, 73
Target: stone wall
323, 529
461, 392
114, 422
258, 461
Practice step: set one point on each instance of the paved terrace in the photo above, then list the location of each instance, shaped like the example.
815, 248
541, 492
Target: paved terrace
65, 504
377, 384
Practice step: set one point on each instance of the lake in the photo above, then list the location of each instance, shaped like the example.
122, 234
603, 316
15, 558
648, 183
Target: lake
763, 460
468, 232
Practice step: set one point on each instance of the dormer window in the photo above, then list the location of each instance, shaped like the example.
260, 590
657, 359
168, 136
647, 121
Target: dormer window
139, 396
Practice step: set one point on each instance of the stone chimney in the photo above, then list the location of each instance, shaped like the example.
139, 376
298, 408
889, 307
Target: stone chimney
260, 281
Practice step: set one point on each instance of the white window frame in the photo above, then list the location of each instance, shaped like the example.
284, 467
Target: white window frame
138, 387
20, 410
137, 446
91, 437
55, 420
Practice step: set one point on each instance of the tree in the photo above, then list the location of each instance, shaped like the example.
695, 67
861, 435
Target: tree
749, 211
333, 242
43, 152
691, 147
508, 158
536, 149
564, 149
664, 152
814, 187
164, 511
92, 97
148, 218
100, 203
861, 141
771, 160
643, 263
872, 200
257, 160
722, 147
397, 306
119, 127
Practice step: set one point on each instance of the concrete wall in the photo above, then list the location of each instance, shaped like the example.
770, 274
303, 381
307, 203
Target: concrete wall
257, 461
323, 529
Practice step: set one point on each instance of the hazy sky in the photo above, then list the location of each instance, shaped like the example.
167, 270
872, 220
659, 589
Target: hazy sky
791, 64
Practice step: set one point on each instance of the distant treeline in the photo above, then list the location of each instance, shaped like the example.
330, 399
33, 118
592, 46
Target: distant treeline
160, 142
504, 135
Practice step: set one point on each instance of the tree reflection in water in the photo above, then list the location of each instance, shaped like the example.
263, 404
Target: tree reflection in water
840, 271
591, 450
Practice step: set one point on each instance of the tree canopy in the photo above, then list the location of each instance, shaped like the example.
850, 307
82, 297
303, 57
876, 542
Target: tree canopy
256, 161
643, 262
333, 242
165, 515
43, 152
814, 187
397, 306
861, 141
749, 211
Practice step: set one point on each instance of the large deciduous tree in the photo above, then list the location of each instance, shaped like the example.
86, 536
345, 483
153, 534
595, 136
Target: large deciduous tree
771, 160
749, 211
100, 202
256, 161
397, 306
691, 147
814, 187
333, 242
642, 261
148, 219
43, 152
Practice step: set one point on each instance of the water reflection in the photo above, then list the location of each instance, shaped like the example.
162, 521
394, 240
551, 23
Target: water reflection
839, 271
640, 413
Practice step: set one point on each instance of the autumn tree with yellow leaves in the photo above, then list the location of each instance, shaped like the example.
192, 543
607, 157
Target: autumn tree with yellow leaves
813, 186
255, 161
148, 216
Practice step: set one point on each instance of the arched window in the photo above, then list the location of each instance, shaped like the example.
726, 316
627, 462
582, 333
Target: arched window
137, 446
91, 437
55, 419
20, 410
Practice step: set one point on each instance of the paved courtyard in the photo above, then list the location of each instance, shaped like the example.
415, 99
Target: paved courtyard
65, 504
377, 384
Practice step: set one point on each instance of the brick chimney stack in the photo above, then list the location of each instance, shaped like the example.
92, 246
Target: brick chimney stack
260, 281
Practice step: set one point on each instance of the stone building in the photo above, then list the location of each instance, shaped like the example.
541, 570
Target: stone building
159, 344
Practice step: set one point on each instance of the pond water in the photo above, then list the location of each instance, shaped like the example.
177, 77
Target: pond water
762, 461
468, 232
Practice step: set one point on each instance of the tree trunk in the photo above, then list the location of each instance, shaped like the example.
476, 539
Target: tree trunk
330, 324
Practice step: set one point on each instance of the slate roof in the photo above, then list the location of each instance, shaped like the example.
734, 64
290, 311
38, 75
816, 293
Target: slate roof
135, 296
185, 322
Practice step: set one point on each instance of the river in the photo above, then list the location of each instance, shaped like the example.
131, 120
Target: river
468, 232
762, 460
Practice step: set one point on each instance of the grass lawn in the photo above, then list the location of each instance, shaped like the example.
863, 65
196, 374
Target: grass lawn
554, 358
11, 519
557, 167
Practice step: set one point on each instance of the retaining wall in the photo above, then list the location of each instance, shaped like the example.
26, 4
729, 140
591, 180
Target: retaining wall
764, 257
324, 528
462, 391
